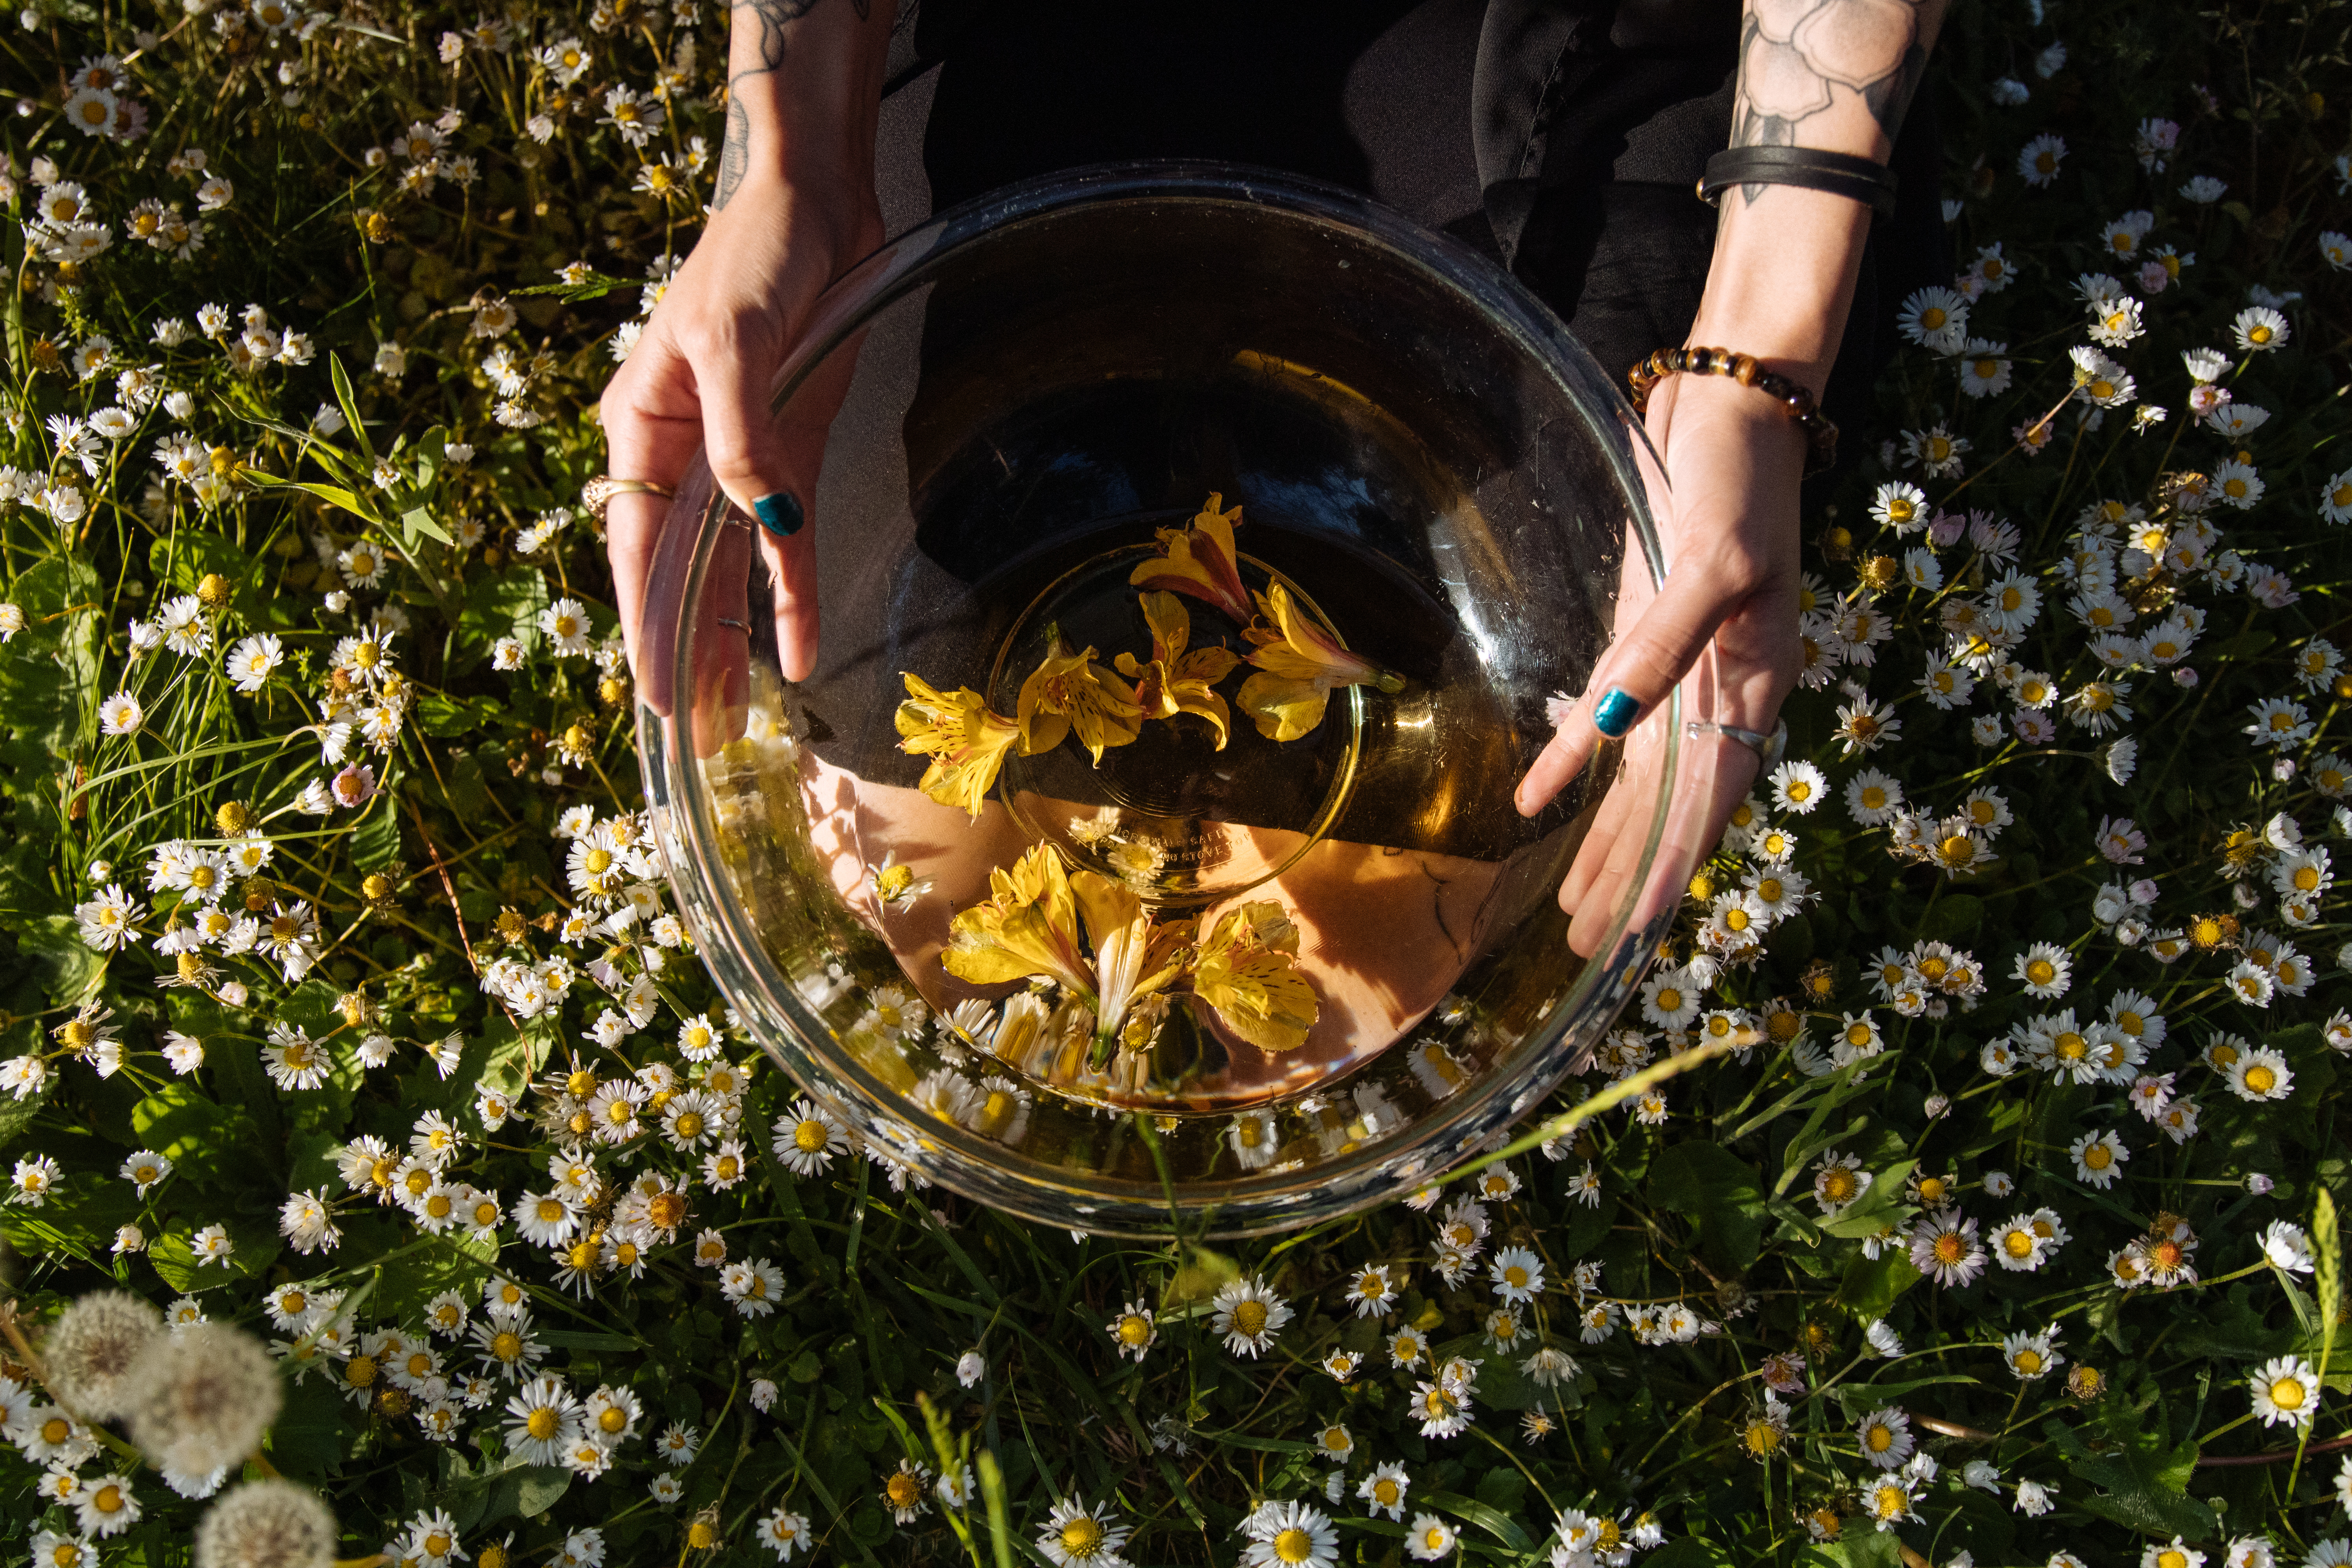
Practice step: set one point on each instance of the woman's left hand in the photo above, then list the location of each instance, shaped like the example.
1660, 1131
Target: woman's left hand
1727, 616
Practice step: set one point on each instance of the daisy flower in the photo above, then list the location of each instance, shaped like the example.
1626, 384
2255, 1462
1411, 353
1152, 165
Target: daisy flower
1075, 1535
1248, 1315
1945, 1247
1884, 1438
1134, 1330
2285, 1390
2098, 1158
1385, 1488
2259, 329
2038, 160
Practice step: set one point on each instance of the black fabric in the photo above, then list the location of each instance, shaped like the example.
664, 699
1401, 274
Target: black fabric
1563, 138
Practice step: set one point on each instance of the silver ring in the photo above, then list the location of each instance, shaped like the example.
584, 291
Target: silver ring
737, 520
743, 626
1768, 749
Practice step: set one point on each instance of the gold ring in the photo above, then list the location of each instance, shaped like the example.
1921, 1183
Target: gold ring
598, 493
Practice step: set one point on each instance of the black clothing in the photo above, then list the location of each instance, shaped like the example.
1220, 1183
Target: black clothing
1562, 138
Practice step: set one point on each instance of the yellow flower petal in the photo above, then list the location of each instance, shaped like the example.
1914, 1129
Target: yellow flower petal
1175, 681
1302, 661
1247, 972
1028, 927
965, 740
1199, 559
1070, 693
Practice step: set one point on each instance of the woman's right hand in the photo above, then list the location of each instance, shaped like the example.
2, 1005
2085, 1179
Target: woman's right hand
702, 376
793, 210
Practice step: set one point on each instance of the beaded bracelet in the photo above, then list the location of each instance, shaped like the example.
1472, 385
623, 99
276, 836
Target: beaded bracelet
1821, 436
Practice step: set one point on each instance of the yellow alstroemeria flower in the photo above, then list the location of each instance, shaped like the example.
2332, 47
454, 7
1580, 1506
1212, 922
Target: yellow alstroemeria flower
1071, 691
1247, 970
965, 740
1175, 681
1030, 928
1135, 957
1199, 559
1300, 662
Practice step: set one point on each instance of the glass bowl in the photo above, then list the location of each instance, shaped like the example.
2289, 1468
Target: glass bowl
1015, 424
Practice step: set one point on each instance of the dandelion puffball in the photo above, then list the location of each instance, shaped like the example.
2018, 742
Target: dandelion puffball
205, 1397
266, 1524
90, 1350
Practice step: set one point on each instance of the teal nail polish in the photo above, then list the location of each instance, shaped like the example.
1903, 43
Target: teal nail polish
1614, 714
780, 513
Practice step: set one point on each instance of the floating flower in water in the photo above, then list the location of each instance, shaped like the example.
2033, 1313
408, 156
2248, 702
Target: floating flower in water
895, 886
964, 739
1199, 559
1030, 928
1300, 662
1247, 972
1071, 692
1176, 681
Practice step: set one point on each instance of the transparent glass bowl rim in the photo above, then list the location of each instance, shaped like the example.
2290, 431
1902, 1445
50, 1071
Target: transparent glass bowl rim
729, 943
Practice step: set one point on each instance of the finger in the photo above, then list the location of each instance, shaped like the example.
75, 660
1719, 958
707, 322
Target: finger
736, 361
793, 564
652, 424
632, 528
722, 650
800, 431
1635, 676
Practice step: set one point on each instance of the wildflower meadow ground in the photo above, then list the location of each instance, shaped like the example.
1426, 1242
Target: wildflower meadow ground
388, 1184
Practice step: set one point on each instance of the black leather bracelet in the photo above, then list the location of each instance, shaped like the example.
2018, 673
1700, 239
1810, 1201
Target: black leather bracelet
1839, 174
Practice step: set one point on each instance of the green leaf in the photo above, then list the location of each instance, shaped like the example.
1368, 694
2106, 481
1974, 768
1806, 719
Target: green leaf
1719, 1193
456, 1261
205, 1142
2327, 1271
69, 967
1876, 1209
376, 844
1501, 1526
528, 1490
508, 1068
175, 1262
447, 717
502, 604
2142, 1475
1954, 919
1859, 1547
1870, 1286
50, 672
350, 405
595, 286
334, 494
15, 1115
416, 523
307, 1440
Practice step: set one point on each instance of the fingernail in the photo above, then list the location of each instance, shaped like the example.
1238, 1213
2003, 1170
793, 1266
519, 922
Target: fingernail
1614, 714
780, 513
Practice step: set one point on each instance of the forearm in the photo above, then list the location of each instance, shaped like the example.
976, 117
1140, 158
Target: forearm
1837, 76
803, 91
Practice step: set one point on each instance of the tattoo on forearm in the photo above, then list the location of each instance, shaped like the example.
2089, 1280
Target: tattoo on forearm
764, 22
1794, 53
734, 150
